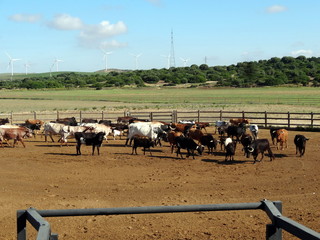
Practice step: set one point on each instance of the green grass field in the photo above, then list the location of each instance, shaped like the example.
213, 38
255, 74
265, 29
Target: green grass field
296, 99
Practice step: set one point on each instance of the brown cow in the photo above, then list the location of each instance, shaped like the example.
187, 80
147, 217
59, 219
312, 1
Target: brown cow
202, 125
282, 138
237, 121
34, 125
195, 134
125, 120
171, 138
17, 134
34, 121
182, 127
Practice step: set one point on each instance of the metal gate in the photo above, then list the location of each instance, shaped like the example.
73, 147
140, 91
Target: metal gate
273, 210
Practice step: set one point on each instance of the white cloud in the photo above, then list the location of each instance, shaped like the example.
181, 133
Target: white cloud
31, 18
66, 22
276, 9
91, 35
302, 52
96, 35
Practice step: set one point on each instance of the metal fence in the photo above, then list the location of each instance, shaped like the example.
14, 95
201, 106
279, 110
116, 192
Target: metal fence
264, 119
273, 210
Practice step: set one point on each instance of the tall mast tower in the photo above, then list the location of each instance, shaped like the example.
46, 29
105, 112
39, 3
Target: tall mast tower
172, 57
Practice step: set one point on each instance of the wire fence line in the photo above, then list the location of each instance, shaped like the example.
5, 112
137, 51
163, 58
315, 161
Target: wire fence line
264, 119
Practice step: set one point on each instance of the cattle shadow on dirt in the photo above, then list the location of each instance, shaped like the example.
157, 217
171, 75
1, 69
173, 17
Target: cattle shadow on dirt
61, 154
279, 155
53, 145
222, 162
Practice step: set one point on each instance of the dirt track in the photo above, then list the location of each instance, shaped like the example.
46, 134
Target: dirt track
47, 176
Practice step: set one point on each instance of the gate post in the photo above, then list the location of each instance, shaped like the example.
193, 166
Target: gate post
265, 119
272, 231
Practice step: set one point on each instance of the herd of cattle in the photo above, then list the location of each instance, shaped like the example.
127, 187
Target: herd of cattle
189, 135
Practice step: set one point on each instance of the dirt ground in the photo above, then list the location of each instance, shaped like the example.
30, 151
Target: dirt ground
47, 176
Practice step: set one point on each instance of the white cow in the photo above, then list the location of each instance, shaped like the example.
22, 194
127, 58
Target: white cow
96, 128
147, 129
69, 131
254, 130
50, 129
221, 126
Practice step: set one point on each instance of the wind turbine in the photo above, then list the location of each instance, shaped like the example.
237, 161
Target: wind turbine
26, 65
136, 58
55, 63
168, 60
11, 61
105, 57
184, 61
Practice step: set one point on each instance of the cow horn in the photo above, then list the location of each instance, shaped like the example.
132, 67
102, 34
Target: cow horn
250, 149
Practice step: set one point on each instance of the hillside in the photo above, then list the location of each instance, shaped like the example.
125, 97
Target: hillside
275, 71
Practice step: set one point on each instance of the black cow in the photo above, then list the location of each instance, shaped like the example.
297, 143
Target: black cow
144, 142
90, 139
3, 121
189, 144
246, 140
259, 146
67, 121
32, 127
273, 134
89, 120
105, 122
300, 141
236, 131
230, 150
209, 141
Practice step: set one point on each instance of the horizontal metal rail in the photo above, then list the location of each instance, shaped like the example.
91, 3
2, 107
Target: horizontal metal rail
273, 210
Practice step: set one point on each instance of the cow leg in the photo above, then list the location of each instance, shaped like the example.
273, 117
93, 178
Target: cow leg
262, 156
93, 147
78, 148
98, 150
127, 142
302, 151
172, 147
132, 150
179, 152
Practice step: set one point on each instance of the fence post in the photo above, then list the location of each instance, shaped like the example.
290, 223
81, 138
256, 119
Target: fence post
11, 117
220, 115
312, 119
265, 119
57, 114
34, 115
242, 114
198, 115
272, 231
151, 116
102, 115
80, 116
288, 119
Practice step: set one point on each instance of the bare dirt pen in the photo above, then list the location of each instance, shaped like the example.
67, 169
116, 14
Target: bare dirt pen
47, 176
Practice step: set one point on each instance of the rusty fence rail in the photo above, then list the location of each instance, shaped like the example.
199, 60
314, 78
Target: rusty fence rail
272, 209
264, 119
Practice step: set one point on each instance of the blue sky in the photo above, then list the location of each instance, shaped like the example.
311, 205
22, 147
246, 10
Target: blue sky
224, 32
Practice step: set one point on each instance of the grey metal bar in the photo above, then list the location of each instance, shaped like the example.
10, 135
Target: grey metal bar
145, 210
287, 224
43, 227
296, 228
